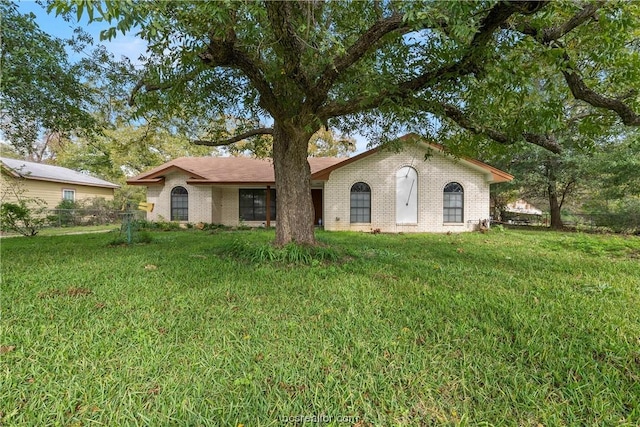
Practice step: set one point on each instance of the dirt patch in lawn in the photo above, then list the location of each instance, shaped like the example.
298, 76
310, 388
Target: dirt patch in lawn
71, 292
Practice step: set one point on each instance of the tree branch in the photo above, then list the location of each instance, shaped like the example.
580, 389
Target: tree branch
470, 62
150, 87
280, 16
580, 90
547, 142
236, 138
565, 191
355, 52
223, 52
548, 35
578, 87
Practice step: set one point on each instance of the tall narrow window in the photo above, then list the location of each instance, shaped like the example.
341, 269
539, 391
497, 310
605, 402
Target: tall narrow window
360, 202
179, 204
453, 206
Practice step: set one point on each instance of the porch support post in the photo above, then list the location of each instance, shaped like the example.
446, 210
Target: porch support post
268, 206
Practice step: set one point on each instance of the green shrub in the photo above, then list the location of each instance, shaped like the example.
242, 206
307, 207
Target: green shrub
64, 214
168, 226
215, 227
21, 218
622, 216
144, 224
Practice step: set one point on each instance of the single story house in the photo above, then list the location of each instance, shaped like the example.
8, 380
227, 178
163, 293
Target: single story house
418, 189
51, 183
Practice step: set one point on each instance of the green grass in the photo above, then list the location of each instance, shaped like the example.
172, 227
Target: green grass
81, 229
506, 328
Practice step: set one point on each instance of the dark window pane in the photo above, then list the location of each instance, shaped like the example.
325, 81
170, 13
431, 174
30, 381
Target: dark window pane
179, 204
453, 203
360, 202
253, 204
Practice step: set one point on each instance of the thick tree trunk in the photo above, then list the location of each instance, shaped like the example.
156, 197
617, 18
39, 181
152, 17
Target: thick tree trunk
554, 209
552, 191
294, 208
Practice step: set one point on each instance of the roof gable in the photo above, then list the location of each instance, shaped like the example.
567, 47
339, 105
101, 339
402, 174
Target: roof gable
245, 170
496, 174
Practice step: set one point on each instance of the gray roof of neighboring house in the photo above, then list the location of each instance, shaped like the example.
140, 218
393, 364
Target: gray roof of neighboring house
42, 172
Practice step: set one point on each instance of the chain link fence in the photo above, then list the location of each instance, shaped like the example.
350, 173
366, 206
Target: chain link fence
86, 217
620, 222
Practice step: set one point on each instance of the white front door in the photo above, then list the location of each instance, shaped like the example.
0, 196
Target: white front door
407, 196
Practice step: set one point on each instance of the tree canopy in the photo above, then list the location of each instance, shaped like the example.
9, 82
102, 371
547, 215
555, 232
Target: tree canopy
499, 69
41, 92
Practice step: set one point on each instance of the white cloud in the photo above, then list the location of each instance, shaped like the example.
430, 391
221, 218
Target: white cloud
129, 45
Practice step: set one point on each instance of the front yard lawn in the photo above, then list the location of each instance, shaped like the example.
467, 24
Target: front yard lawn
506, 328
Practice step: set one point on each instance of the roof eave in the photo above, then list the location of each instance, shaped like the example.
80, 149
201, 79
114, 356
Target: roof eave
210, 182
323, 174
6, 169
63, 181
497, 175
162, 172
134, 181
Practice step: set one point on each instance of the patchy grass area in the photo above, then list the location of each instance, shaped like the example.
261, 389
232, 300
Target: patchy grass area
61, 231
516, 328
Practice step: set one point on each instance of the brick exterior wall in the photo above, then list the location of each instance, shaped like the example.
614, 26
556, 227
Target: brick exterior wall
201, 200
209, 204
220, 204
379, 172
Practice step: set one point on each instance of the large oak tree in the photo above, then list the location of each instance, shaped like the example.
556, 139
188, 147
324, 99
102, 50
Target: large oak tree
382, 65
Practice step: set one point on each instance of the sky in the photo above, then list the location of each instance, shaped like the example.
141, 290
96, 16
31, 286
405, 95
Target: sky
123, 45
128, 45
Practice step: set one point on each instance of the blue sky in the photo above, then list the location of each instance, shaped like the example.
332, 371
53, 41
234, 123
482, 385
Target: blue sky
127, 45
123, 45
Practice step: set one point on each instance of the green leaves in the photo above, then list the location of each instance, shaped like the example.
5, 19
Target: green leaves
41, 90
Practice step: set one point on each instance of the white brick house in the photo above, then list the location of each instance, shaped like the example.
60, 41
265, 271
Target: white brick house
376, 190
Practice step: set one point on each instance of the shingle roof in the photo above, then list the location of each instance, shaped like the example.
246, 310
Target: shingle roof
245, 170
226, 170
42, 172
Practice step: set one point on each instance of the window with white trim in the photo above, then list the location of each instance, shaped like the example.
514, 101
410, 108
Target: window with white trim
453, 203
360, 203
68, 194
179, 204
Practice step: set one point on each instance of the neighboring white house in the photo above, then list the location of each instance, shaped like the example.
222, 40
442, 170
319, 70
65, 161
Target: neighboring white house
382, 190
521, 212
522, 207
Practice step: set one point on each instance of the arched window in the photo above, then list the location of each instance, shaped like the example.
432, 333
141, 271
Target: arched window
179, 204
360, 202
453, 203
